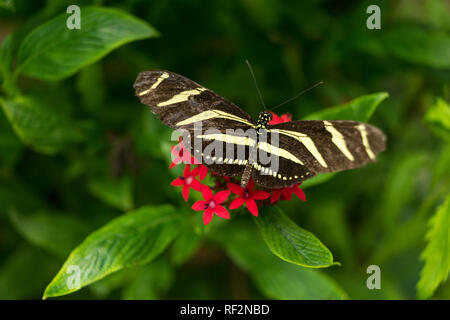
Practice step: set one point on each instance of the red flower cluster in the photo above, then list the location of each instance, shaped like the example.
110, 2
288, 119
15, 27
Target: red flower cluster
213, 203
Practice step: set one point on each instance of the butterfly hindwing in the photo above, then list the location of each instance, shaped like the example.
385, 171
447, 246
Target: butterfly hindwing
327, 146
304, 148
223, 152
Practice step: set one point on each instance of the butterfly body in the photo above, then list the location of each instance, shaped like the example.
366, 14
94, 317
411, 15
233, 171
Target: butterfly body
296, 150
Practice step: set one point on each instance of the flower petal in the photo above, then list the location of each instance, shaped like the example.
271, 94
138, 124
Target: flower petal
177, 182
199, 205
186, 158
299, 192
196, 185
286, 193
206, 192
236, 203
203, 172
195, 171
185, 192
276, 193
236, 189
175, 150
194, 160
207, 216
260, 195
275, 119
286, 117
250, 185
221, 212
187, 171
252, 207
221, 196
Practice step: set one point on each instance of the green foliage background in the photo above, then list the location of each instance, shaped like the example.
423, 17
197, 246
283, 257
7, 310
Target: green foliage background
84, 178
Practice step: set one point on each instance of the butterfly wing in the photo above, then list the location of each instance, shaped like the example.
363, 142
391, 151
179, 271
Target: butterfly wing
304, 148
184, 104
181, 102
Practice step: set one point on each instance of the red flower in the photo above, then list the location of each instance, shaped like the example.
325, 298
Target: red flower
203, 171
276, 119
188, 181
247, 196
211, 204
182, 155
286, 193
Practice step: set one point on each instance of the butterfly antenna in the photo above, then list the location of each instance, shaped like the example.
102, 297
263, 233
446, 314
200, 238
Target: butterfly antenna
256, 83
297, 95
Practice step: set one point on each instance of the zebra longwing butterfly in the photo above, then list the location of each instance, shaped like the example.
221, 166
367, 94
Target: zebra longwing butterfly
302, 148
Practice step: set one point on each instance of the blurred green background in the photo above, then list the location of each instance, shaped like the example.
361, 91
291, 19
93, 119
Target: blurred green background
84, 150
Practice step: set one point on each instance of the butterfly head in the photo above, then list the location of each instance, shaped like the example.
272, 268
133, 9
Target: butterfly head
264, 118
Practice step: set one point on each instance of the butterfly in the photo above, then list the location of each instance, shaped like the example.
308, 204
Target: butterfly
301, 148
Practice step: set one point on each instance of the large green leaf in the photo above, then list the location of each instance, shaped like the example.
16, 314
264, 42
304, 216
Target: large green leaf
437, 252
117, 193
55, 232
38, 126
290, 242
53, 52
359, 109
419, 45
438, 117
135, 238
276, 278
319, 179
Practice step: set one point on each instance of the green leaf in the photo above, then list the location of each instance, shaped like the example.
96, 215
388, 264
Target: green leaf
418, 45
359, 109
319, 179
115, 192
20, 278
88, 78
53, 52
290, 242
150, 282
44, 130
14, 194
437, 253
6, 56
185, 246
57, 233
8, 4
135, 238
10, 145
438, 117
276, 278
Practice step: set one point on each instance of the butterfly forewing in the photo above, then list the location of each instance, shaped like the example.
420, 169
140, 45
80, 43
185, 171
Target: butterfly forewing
181, 102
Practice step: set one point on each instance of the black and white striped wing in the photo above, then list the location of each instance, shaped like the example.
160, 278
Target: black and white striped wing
181, 102
224, 152
305, 148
